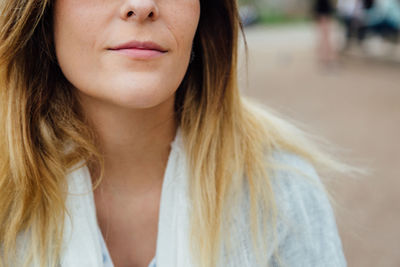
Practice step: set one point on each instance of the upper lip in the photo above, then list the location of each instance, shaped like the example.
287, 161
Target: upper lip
140, 45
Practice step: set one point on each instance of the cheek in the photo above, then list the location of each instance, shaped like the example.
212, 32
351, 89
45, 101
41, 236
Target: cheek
74, 37
77, 21
183, 19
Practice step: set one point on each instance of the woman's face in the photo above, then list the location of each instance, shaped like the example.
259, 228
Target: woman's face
130, 53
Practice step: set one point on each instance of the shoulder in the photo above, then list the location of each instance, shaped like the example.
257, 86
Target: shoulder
306, 229
293, 177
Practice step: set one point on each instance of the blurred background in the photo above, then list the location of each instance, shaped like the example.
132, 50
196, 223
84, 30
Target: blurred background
335, 68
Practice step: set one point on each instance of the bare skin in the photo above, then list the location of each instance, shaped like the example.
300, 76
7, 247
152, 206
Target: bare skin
128, 199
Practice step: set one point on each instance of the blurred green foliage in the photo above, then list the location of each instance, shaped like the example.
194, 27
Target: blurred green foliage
281, 18
267, 14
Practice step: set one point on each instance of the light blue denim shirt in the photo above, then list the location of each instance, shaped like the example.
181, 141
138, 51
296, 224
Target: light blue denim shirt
307, 231
306, 234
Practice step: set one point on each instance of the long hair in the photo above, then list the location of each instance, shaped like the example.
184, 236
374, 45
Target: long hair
40, 118
227, 139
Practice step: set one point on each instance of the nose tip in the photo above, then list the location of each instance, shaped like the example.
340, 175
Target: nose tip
131, 13
139, 10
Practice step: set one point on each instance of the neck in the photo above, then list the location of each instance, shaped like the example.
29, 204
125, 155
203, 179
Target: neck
135, 143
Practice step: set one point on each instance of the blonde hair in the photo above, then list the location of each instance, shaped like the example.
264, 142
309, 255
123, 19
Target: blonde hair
227, 139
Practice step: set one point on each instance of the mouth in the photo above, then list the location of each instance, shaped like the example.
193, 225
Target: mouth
140, 50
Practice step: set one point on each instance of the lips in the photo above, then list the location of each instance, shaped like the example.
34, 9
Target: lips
140, 46
136, 50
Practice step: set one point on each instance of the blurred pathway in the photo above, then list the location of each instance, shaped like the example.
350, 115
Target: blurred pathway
357, 107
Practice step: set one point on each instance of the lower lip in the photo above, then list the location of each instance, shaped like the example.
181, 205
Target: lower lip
140, 53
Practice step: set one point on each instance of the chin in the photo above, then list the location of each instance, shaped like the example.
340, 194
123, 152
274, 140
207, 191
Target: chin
138, 98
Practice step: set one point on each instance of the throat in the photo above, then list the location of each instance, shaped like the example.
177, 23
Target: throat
129, 225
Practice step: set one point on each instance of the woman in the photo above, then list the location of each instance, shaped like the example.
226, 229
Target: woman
126, 142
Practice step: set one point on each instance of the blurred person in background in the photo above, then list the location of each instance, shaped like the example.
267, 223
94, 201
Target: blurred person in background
350, 13
126, 142
323, 11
